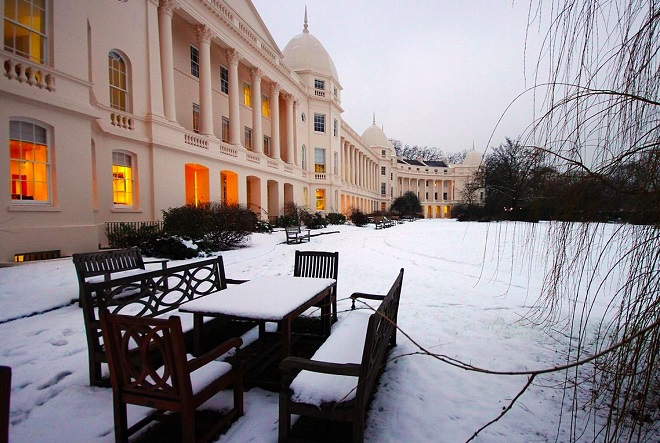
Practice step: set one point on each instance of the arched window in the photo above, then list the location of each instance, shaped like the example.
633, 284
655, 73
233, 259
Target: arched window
123, 179
29, 162
118, 81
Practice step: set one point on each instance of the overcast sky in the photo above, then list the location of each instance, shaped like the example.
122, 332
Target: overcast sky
437, 73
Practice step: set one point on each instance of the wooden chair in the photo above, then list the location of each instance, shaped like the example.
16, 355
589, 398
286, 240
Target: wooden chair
319, 264
148, 367
5, 390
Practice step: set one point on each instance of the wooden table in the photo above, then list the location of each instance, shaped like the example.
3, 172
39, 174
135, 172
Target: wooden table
266, 299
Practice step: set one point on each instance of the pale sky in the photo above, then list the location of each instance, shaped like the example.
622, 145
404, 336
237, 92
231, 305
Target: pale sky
436, 73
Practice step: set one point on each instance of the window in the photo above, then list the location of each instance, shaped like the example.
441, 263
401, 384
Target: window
123, 183
247, 94
335, 128
303, 117
382, 170
319, 122
320, 199
304, 158
248, 138
319, 84
267, 145
382, 153
265, 106
335, 163
225, 129
224, 80
391, 175
26, 33
118, 81
383, 189
305, 196
319, 160
29, 162
334, 89
194, 61
195, 116
444, 196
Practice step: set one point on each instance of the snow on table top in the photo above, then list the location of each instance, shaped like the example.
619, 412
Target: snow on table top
264, 298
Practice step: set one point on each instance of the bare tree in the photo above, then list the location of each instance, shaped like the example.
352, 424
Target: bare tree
600, 123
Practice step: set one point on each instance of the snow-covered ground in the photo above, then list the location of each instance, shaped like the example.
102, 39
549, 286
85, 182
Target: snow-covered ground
462, 297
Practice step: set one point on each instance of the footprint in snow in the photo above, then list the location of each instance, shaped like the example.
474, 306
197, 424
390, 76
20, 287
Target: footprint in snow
58, 342
55, 380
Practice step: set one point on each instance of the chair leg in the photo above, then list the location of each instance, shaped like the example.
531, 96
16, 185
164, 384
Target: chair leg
121, 422
238, 391
188, 425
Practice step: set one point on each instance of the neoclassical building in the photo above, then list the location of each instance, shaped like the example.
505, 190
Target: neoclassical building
116, 110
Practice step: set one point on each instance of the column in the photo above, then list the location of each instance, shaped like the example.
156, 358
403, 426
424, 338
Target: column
234, 110
257, 132
165, 13
204, 35
289, 130
275, 120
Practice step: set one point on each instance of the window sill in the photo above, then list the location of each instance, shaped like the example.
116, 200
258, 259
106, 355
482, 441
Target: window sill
33, 208
126, 210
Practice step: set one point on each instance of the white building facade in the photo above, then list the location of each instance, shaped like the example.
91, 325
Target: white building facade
117, 110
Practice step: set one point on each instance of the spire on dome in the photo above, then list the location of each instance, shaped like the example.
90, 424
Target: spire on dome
305, 30
374, 120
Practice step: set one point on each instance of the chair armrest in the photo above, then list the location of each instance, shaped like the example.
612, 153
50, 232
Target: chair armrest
162, 261
233, 281
354, 296
323, 367
214, 353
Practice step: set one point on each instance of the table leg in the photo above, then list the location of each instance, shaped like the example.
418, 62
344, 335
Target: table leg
285, 330
198, 324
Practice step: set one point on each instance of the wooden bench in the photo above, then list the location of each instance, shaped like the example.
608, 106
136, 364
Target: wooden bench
105, 263
296, 235
356, 351
383, 222
144, 295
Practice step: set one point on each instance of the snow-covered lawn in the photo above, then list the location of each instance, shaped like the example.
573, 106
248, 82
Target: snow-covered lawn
462, 297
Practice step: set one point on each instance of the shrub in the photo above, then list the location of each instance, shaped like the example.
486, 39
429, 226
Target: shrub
284, 221
335, 218
127, 235
173, 248
314, 221
358, 217
211, 226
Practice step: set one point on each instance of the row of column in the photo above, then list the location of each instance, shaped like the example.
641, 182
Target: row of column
358, 169
204, 37
412, 184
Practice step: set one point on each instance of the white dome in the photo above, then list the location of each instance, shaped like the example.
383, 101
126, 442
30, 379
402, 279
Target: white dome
374, 136
473, 158
306, 53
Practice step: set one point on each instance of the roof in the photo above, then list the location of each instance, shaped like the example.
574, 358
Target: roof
306, 53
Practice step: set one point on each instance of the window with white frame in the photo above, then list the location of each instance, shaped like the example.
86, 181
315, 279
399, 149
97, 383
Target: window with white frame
319, 160
383, 189
195, 117
267, 145
248, 138
303, 158
335, 163
225, 129
382, 170
194, 61
319, 84
319, 122
123, 179
118, 81
224, 79
335, 128
29, 162
26, 29
247, 94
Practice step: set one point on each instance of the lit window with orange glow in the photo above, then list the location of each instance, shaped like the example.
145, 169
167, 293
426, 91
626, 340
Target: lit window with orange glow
26, 32
265, 106
29, 162
320, 199
123, 183
247, 94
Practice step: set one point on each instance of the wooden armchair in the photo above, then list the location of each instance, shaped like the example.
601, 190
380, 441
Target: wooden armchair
319, 264
148, 367
5, 390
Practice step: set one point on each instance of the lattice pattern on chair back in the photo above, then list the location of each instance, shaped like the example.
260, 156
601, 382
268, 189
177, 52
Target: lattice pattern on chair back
146, 356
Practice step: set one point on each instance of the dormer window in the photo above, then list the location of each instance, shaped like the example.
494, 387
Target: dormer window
319, 85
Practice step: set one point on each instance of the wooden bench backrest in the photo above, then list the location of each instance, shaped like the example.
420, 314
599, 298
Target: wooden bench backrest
381, 333
90, 264
317, 264
144, 295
